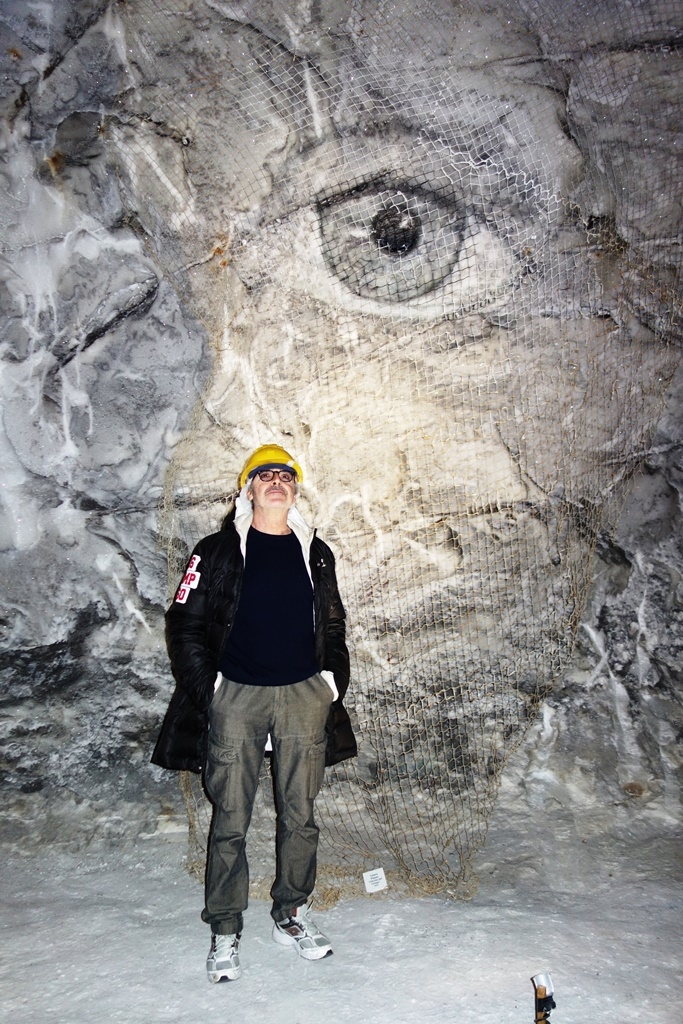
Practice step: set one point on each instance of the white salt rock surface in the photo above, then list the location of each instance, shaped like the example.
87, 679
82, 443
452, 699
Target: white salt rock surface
116, 937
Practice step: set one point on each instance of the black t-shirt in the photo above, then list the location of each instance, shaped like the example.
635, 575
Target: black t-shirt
272, 638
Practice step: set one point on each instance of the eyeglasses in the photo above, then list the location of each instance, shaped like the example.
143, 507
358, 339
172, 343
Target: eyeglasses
266, 475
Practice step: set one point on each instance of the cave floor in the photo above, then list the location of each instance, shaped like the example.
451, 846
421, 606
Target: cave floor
115, 935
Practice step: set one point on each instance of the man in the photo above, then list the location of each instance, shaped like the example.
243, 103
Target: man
256, 636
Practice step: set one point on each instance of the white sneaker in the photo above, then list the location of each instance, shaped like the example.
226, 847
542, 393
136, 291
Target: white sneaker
223, 961
299, 931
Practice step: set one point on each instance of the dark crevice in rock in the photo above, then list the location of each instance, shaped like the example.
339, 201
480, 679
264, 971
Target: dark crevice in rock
136, 300
51, 669
664, 44
83, 27
86, 503
607, 549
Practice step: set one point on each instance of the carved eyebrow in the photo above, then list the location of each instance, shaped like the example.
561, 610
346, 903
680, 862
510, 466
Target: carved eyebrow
388, 181
440, 171
384, 180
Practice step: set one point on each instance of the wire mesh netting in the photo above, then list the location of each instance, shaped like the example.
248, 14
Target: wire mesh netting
436, 247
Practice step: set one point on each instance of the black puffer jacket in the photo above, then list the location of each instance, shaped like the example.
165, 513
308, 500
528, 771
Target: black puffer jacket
198, 627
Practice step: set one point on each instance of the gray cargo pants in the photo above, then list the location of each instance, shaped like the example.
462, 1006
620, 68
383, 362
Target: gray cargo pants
239, 722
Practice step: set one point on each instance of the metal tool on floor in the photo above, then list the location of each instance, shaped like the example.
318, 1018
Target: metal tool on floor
543, 997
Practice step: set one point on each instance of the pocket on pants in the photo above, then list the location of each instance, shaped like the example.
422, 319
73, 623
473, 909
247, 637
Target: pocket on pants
316, 768
220, 775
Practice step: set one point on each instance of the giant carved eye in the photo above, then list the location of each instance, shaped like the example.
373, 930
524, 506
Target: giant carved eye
390, 244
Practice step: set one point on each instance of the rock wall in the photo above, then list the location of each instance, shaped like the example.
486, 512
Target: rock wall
101, 370
597, 780
107, 348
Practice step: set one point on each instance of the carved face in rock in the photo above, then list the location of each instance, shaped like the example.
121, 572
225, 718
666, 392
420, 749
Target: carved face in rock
416, 284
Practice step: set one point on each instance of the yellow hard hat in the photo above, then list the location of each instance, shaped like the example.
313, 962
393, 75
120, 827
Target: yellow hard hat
269, 456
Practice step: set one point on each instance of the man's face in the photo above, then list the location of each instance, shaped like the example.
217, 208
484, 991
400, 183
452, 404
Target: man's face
423, 292
412, 302
268, 495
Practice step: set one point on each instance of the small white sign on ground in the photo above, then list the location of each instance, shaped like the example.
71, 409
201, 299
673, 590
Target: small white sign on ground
374, 880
